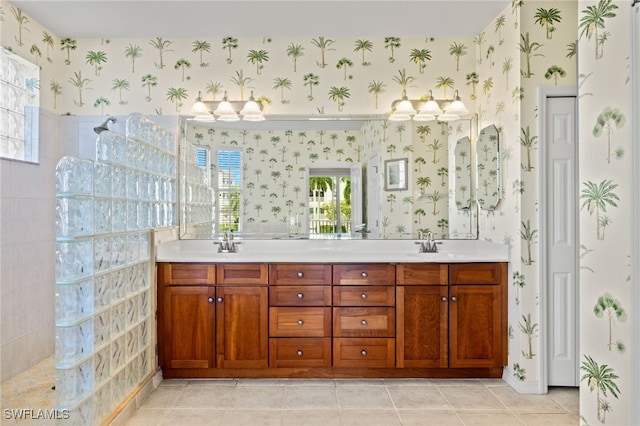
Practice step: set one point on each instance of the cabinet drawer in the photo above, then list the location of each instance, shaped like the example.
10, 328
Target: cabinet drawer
364, 295
299, 322
364, 274
300, 352
292, 295
299, 274
422, 274
364, 352
477, 273
186, 273
242, 273
364, 322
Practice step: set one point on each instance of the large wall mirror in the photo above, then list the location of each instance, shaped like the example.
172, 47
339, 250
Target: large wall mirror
488, 168
301, 178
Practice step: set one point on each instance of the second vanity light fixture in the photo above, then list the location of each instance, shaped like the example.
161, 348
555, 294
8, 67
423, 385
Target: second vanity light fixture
227, 110
427, 110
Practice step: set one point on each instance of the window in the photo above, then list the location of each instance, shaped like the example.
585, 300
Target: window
19, 108
329, 200
229, 190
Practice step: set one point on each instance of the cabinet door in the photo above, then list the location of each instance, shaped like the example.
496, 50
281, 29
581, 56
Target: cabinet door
422, 338
242, 327
186, 327
475, 326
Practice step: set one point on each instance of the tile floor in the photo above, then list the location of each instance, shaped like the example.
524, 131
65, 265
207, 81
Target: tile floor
255, 402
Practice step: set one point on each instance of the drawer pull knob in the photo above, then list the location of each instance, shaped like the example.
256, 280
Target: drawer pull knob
300, 274
363, 322
300, 322
454, 298
220, 299
363, 352
364, 275
444, 298
300, 296
210, 300
363, 295
299, 353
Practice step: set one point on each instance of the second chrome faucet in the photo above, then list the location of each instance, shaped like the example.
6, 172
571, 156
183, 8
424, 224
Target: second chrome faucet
427, 243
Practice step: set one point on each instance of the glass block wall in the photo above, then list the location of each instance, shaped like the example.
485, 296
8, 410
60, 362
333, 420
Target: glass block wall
105, 211
196, 194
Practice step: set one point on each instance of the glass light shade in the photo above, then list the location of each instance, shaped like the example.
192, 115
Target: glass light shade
457, 107
405, 107
199, 108
251, 108
224, 108
431, 107
423, 116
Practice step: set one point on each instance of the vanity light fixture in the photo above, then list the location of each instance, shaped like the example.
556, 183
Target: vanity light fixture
427, 109
227, 110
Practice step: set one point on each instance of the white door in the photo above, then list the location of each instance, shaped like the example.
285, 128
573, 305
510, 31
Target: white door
373, 195
561, 236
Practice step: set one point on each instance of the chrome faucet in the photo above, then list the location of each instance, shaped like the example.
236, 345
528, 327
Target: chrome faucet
427, 243
227, 245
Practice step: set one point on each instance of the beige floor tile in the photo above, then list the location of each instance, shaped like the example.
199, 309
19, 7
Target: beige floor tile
568, 398
258, 397
262, 382
164, 397
536, 419
148, 417
206, 397
252, 418
370, 417
408, 382
311, 382
193, 417
309, 397
359, 382
429, 418
423, 397
471, 397
363, 397
489, 418
311, 418
523, 403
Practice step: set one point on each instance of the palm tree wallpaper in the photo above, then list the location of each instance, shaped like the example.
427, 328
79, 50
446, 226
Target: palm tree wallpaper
497, 72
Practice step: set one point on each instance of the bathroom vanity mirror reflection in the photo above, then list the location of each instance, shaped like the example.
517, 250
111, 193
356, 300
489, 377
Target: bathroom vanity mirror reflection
462, 182
488, 168
263, 180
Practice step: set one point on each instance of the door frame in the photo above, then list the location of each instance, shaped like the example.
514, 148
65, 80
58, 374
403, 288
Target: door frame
545, 93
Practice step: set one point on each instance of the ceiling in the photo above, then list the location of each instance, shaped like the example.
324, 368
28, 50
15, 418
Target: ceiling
262, 18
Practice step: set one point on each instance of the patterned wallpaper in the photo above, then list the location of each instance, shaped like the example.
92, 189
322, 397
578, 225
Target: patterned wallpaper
531, 43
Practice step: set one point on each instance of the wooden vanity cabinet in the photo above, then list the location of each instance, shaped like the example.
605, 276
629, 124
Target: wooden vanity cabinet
451, 316
242, 322
299, 315
186, 315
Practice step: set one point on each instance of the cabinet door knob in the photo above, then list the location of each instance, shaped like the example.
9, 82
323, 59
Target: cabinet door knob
300, 274
300, 322
300, 296
444, 298
363, 352
220, 300
299, 353
363, 295
363, 322
210, 300
364, 275
454, 299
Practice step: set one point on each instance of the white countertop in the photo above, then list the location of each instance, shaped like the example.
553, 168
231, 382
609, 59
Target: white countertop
332, 251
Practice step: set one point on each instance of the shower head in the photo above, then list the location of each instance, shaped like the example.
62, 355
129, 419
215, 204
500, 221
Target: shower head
104, 126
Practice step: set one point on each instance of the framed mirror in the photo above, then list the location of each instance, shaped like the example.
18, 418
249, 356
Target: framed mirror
272, 192
395, 174
488, 168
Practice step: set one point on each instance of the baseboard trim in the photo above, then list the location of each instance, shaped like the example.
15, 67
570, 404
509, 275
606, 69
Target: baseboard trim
527, 387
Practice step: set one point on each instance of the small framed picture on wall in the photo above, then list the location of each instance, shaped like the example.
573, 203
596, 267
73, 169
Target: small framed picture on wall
395, 174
